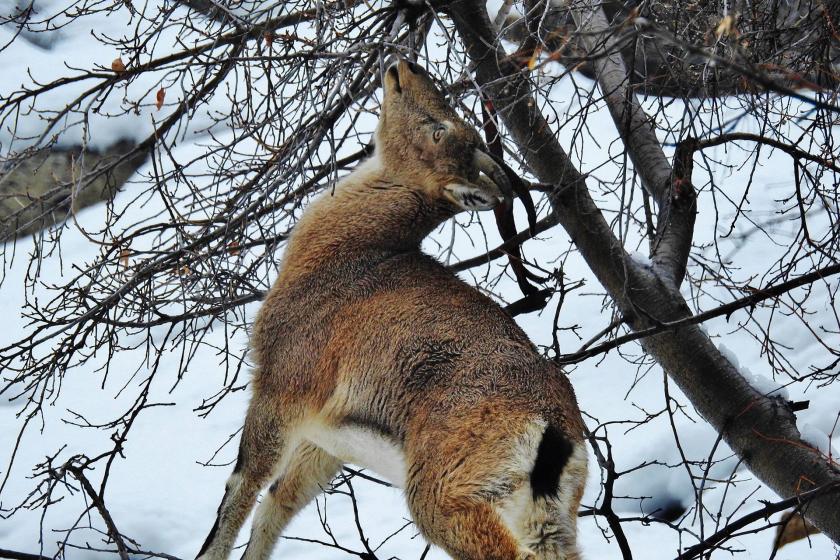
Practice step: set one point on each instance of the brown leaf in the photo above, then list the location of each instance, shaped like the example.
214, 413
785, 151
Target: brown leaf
535, 58
124, 254
118, 66
726, 27
794, 527
161, 95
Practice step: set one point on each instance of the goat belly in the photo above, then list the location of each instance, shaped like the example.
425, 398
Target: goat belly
363, 447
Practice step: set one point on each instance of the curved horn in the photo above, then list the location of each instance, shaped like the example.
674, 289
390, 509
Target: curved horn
522, 190
487, 165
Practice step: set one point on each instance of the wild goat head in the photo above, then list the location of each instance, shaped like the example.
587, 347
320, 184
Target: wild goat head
420, 139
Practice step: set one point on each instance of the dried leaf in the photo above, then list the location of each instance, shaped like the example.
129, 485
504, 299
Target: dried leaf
794, 527
726, 27
535, 58
124, 254
161, 95
118, 66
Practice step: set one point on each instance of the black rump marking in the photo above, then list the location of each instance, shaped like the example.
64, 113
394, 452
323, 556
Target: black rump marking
552, 455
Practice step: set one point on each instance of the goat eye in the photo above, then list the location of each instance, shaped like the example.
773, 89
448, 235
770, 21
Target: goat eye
438, 133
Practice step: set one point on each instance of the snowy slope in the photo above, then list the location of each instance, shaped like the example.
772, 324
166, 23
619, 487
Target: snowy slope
161, 496
165, 500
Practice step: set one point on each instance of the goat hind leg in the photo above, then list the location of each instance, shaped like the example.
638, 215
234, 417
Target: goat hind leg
467, 527
260, 451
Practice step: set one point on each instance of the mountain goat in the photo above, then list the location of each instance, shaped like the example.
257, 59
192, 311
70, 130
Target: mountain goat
370, 352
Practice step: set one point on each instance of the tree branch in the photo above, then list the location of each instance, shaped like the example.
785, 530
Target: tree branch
727, 309
744, 69
15, 555
673, 192
792, 151
634, 125
800, 501
543, 225
113, 532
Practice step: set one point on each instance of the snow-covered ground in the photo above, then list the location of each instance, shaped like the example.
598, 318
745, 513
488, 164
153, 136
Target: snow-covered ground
161, 496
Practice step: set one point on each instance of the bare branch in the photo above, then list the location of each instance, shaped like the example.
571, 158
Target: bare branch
757, 296
800, 502
672, 191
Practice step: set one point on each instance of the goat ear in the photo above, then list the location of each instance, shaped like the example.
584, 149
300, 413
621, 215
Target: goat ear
392, 80
470, 197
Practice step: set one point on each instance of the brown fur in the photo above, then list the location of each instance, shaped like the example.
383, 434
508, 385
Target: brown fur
361, 329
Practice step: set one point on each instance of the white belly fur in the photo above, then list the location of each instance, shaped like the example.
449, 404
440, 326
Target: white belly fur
362, 447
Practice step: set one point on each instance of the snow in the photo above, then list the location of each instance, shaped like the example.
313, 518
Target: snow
819, 439
765, 385
47, 56
161, 495
729, 355
640, 259
760, 383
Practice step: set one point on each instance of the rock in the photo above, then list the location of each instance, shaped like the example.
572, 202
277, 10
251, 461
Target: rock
37, 188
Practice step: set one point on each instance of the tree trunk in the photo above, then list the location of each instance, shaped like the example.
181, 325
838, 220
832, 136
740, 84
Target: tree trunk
761, 430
